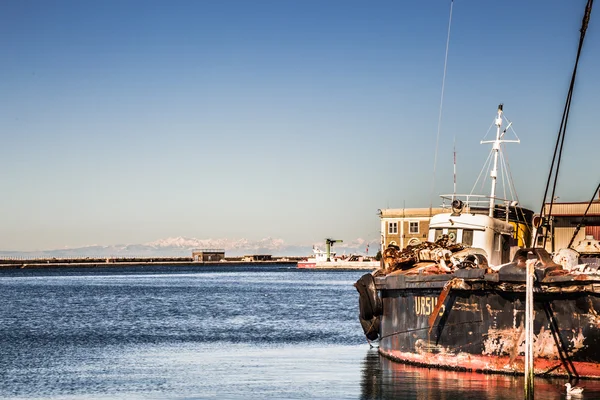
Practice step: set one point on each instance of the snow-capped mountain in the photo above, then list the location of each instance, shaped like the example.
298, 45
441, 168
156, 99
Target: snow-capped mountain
190, 243
182, 247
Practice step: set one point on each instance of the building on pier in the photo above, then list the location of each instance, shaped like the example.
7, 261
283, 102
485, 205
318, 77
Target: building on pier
405, 226
208, 254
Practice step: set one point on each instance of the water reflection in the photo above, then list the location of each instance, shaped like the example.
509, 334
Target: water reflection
385, 379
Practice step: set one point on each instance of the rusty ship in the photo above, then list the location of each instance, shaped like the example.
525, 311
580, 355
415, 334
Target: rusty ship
457, 301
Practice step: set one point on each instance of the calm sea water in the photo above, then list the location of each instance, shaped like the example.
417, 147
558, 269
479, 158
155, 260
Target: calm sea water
194, 333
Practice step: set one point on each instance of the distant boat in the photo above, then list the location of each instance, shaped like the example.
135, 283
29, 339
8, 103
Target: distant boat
320, 259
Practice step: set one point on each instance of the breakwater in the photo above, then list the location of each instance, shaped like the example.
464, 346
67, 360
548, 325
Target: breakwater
92, 262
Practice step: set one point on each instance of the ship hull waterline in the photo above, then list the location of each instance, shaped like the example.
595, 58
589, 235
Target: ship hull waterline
482, 329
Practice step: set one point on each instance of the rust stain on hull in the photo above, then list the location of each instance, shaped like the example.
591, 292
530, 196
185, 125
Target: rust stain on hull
512, 342
492, 364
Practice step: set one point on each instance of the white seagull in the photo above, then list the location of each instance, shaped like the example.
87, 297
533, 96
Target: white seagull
573, 390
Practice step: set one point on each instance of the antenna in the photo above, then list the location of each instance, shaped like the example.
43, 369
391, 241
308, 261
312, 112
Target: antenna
439, 125
496, 149
454, 194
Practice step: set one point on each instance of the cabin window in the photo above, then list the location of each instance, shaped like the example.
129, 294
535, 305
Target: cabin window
467, 237
505, 248
413, 227
438, 234
393, 228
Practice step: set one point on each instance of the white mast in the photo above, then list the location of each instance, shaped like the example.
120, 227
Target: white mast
496, 150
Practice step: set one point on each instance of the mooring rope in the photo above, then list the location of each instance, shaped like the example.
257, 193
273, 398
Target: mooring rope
562, 131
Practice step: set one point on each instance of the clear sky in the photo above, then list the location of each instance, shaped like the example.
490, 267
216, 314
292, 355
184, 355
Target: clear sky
129, 121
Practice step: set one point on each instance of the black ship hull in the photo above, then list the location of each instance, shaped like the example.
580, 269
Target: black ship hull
478, 324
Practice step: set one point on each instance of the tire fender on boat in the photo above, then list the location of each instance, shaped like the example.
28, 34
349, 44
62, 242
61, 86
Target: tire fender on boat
369, 303
370, 306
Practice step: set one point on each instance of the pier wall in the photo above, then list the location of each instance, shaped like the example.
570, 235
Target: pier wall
13, 263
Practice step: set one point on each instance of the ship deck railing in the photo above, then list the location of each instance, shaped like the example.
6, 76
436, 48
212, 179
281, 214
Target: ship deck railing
477, 203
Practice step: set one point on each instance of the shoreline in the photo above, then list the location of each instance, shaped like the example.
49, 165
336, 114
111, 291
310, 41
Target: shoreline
96, 262
136, 262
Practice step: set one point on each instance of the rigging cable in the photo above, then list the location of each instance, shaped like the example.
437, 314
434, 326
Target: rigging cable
486, 164
583, 218
508, 175
502, 172
560, 139
437, 139
514, 194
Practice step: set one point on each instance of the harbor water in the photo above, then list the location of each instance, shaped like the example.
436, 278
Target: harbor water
256, 332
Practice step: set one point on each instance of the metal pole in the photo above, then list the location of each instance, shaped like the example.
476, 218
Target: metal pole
496, 149
454, 193
529, 372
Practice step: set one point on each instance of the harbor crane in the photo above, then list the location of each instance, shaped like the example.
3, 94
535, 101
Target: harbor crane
329, 242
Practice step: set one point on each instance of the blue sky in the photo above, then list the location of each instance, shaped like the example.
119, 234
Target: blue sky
129, 121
